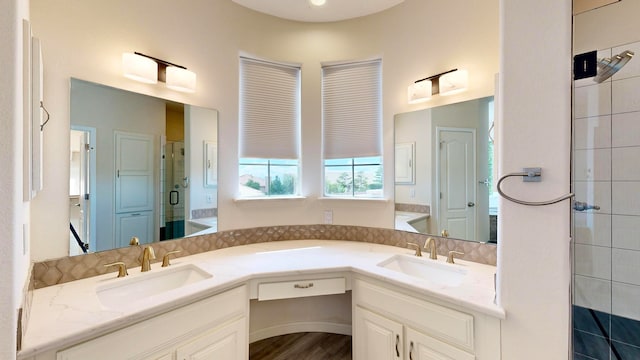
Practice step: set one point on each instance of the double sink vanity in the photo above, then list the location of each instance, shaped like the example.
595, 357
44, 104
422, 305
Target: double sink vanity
211, 305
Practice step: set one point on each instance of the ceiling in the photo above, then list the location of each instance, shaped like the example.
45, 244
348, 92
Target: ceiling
332, 10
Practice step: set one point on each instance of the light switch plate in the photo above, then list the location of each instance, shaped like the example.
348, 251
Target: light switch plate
328, 217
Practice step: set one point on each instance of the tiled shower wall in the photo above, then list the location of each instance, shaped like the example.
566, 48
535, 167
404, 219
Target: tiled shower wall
606, 173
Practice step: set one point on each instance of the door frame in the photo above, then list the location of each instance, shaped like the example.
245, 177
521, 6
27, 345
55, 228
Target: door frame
436, 195
92, 131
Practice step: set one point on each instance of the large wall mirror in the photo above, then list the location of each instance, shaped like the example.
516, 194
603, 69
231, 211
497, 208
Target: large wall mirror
444, 176
141, 167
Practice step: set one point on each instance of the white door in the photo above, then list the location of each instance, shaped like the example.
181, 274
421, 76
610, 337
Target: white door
128, 225
228, 342
423, 347
376, 337
456, 180
134, 172
82, 183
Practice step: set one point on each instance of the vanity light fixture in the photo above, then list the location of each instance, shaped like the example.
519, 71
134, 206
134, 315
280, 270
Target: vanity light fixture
318, 2
445, 83
150, 70
454, 82
419, 92
139, 68
181, 79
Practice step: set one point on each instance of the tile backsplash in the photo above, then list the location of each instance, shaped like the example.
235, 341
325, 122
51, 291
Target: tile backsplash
57, 271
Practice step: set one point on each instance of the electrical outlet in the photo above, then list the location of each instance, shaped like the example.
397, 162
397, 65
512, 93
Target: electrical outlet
412, 193
209, 198
328, 217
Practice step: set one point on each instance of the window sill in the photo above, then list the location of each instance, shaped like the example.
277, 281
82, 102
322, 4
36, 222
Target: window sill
249, 199
353, 198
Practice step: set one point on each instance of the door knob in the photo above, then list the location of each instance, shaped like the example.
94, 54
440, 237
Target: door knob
471, 204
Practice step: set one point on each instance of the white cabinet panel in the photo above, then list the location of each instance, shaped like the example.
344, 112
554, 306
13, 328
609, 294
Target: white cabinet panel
423, 347
405, 169
227, 342
448, 325
375, 337
160, 336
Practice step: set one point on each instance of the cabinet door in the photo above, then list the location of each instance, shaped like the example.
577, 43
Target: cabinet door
228, 342
139, 224
376, 337
423, 347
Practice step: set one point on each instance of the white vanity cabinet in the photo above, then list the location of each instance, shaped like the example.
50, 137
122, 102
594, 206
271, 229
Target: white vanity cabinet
394, 324
213, 328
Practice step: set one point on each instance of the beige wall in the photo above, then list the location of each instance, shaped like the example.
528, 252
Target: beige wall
14, 212
415, 39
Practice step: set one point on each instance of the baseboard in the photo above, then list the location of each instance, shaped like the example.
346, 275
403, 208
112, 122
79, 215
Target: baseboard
333, 328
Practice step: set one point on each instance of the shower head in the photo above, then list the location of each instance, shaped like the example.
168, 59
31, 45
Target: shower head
609, 66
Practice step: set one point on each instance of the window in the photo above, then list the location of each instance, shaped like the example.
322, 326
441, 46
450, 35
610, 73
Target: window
269, 129
351, 127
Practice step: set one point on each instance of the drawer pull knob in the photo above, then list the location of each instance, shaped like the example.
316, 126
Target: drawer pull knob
397, 345
303, 286
411, 351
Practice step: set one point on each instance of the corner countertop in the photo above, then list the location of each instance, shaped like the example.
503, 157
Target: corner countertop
66, 314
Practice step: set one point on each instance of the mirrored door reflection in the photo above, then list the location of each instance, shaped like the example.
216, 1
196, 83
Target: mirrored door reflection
444, 175
173, 185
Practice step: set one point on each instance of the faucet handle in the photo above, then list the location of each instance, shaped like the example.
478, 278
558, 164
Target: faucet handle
122, 268
450, 256
134, 241
415, 246
165, 258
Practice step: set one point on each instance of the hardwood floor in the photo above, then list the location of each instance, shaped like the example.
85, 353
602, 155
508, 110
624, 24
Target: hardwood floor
302, 346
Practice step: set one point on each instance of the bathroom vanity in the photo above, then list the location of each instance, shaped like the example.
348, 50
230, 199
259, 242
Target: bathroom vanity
211, 305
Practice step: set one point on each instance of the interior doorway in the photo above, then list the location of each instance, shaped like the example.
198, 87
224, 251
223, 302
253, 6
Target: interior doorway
82, 183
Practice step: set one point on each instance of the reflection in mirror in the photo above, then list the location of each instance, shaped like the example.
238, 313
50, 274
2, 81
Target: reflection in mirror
141, 167
444, 171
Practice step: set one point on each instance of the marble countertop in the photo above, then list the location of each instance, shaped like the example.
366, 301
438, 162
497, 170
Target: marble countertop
403, 219
66, 314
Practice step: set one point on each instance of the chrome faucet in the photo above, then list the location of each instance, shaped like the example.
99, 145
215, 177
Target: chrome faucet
430, 245
147, 254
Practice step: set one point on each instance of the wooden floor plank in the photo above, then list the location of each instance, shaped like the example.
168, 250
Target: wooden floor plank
302, 346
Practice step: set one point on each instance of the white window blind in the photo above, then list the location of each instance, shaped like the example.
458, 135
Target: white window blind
352, 110
269, 110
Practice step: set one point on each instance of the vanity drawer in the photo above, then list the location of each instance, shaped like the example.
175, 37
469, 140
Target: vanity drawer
301, 288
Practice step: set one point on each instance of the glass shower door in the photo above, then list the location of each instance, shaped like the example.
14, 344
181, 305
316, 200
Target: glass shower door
606, 214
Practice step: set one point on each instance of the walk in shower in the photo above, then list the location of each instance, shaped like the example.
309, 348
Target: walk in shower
173, 186
606, 210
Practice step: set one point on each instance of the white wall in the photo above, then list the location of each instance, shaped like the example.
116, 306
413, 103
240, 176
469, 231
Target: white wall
13, 211
415, 39
535, 115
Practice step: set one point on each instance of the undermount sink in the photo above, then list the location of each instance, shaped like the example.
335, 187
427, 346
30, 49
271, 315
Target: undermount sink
437, 272
123, 293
